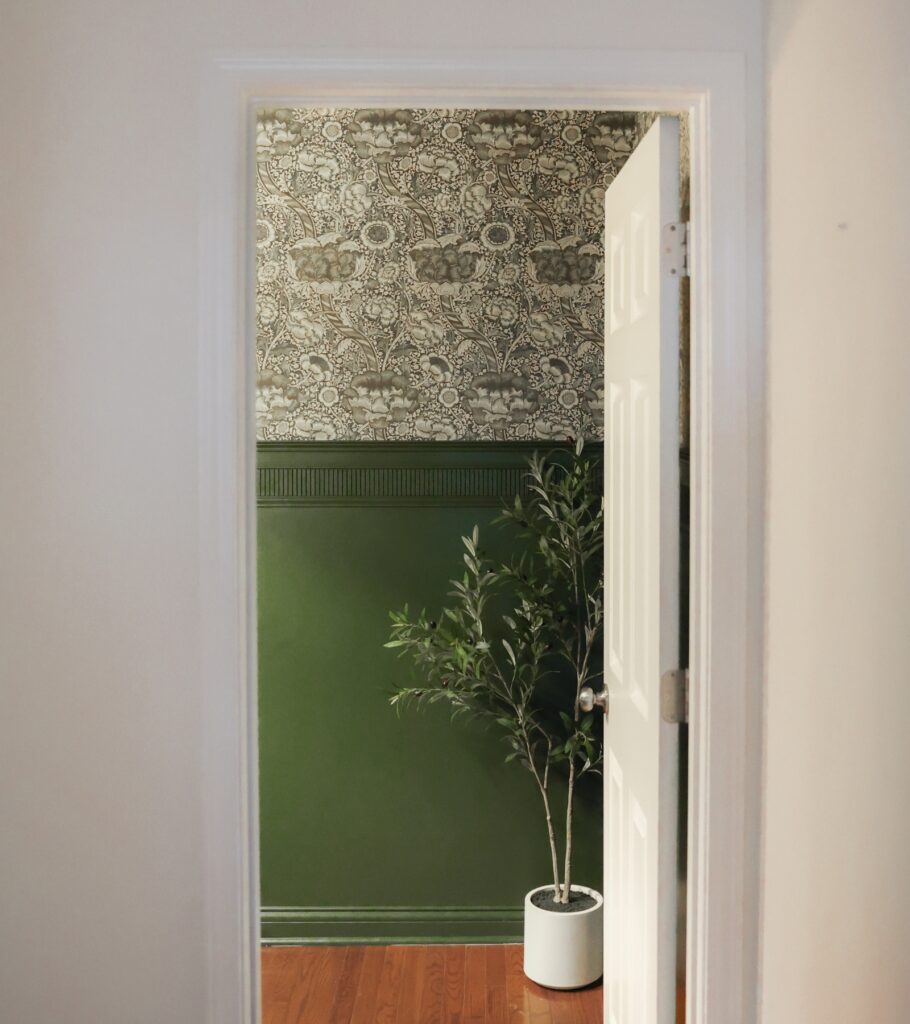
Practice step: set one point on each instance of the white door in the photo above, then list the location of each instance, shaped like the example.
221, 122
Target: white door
642, 581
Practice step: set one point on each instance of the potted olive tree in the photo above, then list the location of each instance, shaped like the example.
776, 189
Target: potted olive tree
515, 647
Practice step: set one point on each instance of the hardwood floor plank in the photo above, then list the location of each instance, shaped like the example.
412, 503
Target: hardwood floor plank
412, 980
275, 959
324, 981
279, 975
537, 999
298, 985
312, 967
346, 993
474, 1007
496, 984
389, 989
432, 998
562, 1007
454, 984
589, 1005
274, 1012
370, 973
518, 1011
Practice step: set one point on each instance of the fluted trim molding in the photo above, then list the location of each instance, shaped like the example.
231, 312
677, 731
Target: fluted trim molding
409, 474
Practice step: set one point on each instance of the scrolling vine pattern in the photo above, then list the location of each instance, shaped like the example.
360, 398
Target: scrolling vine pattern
432, 274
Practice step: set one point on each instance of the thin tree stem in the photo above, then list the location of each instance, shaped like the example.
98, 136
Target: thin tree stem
581, 666
543, 786
567, 871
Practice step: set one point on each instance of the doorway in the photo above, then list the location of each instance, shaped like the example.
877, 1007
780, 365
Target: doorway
430, 315
581, 69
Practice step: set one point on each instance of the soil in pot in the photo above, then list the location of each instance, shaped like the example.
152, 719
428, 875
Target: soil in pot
578, 901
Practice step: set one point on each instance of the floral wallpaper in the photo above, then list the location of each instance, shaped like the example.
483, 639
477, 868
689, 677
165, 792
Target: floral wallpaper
432, 274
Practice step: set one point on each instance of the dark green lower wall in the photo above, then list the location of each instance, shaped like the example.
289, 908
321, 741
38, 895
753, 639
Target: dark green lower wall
376, 827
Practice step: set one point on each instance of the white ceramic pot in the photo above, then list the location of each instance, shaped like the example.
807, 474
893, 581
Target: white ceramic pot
564, 950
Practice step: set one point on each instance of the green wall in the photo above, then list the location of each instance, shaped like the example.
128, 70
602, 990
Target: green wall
376, 827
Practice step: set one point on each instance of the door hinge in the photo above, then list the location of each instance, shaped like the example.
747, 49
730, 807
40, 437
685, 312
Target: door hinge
674, 696
674, 249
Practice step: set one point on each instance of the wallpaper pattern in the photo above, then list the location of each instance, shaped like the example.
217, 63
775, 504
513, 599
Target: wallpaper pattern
432, 274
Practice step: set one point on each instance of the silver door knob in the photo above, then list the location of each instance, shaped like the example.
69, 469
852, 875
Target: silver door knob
588, 700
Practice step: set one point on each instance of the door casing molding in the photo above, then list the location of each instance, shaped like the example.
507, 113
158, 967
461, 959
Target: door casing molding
727, 504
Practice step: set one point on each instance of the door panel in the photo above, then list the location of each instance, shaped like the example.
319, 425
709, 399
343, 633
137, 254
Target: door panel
642, 573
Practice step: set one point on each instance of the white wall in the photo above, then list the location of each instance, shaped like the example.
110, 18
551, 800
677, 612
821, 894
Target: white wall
100, 845
837, 881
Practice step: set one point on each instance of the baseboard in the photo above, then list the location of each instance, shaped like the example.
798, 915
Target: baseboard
292, 926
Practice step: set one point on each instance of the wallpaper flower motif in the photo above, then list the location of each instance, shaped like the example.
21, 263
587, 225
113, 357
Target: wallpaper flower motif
432, 274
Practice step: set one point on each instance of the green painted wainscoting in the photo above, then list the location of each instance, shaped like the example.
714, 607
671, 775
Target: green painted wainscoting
374, 827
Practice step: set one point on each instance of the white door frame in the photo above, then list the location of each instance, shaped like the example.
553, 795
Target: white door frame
726, 465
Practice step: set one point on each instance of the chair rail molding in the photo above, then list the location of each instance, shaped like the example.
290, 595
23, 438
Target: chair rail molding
725, 258
405, 474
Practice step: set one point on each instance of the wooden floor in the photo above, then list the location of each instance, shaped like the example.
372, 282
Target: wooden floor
413, 985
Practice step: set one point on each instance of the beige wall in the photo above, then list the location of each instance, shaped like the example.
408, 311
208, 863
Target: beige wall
100, 777
836, 877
